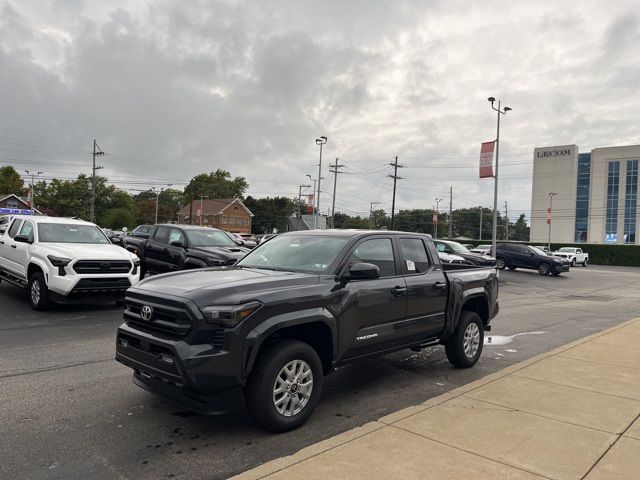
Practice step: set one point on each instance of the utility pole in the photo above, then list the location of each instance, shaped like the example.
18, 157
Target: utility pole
96, 152
371, 204
336, 170
319, 141
506, 222
158, 192
451, 213
33, 188
300, 202
480, 235
393, 202
551, 195
201, 212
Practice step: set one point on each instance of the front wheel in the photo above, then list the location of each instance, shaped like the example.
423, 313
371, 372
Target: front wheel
464, 348
38, 292
501, 263
285, 386
544, 269
573, 262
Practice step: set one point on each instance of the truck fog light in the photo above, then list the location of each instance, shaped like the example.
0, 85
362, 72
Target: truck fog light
166, 359
124, 343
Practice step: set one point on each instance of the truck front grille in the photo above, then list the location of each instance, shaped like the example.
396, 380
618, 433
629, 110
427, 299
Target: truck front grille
170, 319
100, 285
97, 267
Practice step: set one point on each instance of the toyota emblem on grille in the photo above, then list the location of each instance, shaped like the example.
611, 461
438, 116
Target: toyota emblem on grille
146, 312
105, 266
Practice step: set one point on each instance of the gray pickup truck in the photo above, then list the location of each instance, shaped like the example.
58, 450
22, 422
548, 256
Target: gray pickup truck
271, 326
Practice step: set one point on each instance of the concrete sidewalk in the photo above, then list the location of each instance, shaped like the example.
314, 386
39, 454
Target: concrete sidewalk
571, 413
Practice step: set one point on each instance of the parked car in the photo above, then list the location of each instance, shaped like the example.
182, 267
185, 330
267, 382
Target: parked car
138, 236
270, 327
170, 248
573, 255
64, 260
544, 248
114, 236
249, 240
481, 249
512, 256
263, 238
448, 258
455, 248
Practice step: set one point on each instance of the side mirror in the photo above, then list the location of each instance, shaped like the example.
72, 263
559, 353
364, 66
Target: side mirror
363, 271
178, 243
22, 239
3, 229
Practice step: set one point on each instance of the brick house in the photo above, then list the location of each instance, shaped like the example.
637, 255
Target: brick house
225, 213
13, 204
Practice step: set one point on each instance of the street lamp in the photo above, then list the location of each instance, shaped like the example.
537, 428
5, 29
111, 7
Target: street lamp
319, 141
501, 111
158, 192
551, 195
300, 201
33, 189
435, 233
202, 197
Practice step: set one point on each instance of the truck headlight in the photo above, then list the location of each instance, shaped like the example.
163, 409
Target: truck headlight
229, 315
215, 261
136, 266
60, 263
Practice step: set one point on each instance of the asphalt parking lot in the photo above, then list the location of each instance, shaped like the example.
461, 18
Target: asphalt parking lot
68, 410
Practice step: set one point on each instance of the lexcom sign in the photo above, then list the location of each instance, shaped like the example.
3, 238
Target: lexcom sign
562, 152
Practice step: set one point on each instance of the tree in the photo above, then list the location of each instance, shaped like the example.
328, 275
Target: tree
520, 229
145, 212
342, 220
11, 182
379, 219
218, 184
270, 213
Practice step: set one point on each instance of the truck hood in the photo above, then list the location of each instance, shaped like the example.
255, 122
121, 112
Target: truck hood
221, 285
86, 251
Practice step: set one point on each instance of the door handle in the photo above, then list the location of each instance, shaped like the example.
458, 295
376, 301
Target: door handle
399, 291
439, 285
2, 242
13, 246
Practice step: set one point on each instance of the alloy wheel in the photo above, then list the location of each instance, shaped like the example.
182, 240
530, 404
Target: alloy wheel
471, 340
292, 388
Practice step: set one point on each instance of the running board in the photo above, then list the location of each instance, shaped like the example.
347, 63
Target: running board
7, 277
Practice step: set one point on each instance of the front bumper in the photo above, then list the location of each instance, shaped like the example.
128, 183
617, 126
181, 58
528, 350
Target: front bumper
560, 268
197, 377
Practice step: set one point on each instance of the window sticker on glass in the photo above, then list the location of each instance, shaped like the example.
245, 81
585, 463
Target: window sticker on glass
411, 266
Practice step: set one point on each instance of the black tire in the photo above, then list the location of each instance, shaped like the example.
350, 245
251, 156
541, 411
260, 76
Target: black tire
259, 391
455, 346
501, 263
544, 269
573, 262
38, 292
512, 268
555, 274
584, 262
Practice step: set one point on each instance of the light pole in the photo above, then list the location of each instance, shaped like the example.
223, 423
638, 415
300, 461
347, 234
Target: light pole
319, 141
551, 195
480, 234
300, 201
371, 204
202, 197
33, 188
158, 192
501, 111
438, 200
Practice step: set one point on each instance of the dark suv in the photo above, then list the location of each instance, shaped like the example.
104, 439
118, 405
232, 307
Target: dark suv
514, 256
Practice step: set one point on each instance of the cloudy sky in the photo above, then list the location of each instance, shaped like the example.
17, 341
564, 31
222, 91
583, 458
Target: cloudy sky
170, 89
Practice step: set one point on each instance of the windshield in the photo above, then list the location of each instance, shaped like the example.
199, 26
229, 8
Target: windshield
483, 247
63, 233
455, 247
209, 238
300, 253
566, 249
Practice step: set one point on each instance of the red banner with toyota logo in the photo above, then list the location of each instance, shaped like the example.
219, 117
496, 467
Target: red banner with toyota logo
486, 159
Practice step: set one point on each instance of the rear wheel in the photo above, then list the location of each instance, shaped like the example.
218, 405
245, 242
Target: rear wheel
544, 269
501, 263
584, 262
38, 292
285, 386
465, 347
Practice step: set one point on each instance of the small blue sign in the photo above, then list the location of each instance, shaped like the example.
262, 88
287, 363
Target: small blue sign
15, 211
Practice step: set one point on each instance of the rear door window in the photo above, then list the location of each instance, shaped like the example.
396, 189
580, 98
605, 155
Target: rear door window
414, 255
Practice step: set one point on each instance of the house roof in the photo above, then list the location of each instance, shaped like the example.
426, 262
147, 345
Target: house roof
23, 202
214, 206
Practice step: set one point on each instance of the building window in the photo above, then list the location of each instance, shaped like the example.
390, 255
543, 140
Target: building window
630, 199
12, 203
246, 222
613, 190
582, 197
223, 219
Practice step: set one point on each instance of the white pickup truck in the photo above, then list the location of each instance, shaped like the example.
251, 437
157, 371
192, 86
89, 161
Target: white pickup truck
574, 255
64, 260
